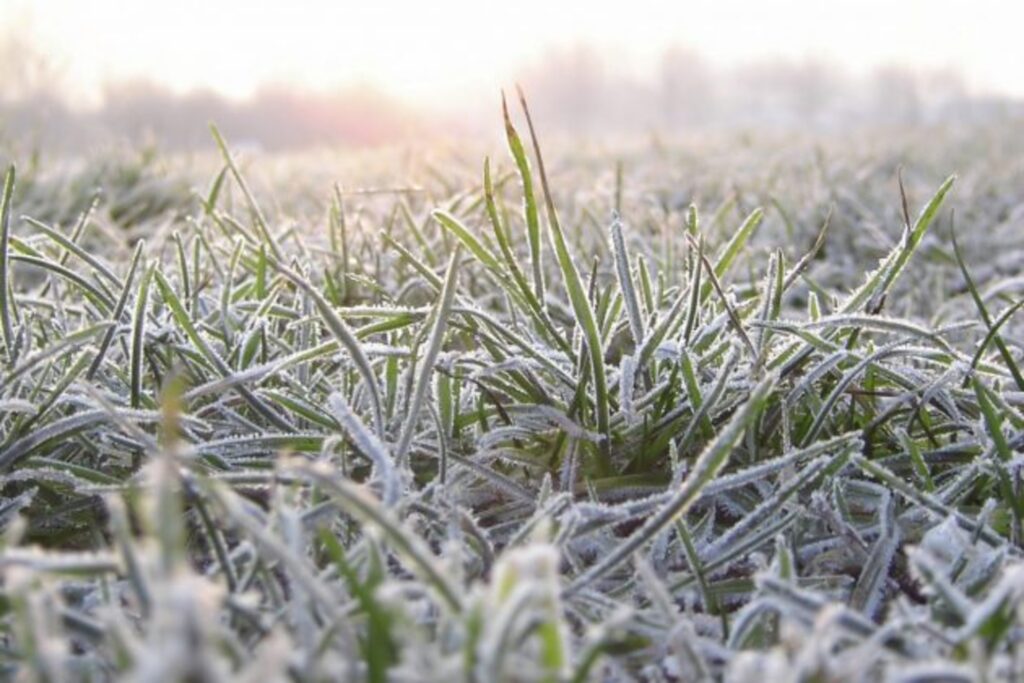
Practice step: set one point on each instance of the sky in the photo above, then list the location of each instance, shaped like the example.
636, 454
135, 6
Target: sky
431, 51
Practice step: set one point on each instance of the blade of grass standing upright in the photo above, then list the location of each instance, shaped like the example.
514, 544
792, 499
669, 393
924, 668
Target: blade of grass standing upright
440, 323
515, 146
118, 311
636, 324
339, 237
503, 243
186, 284
261, 221
5, 285
138, 335
574, 287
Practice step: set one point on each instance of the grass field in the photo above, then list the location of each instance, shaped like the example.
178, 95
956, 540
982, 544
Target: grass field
741, 410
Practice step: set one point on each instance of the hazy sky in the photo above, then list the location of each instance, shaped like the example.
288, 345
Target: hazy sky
430, 49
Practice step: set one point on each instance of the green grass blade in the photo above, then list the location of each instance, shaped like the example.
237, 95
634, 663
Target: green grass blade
574, 288
139, 336
434, 342
515, 146
6, 287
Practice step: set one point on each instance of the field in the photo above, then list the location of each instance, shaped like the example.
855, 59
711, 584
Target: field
739, 410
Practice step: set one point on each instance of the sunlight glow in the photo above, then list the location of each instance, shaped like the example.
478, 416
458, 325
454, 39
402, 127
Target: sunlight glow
427, 52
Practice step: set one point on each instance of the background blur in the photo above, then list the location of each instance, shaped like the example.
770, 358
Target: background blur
78, 76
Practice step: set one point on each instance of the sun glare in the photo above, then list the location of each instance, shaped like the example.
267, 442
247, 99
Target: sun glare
428, 53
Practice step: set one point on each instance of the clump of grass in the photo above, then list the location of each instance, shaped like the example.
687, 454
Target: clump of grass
241, 450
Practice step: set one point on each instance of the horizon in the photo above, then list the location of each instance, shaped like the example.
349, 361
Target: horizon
426, 57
